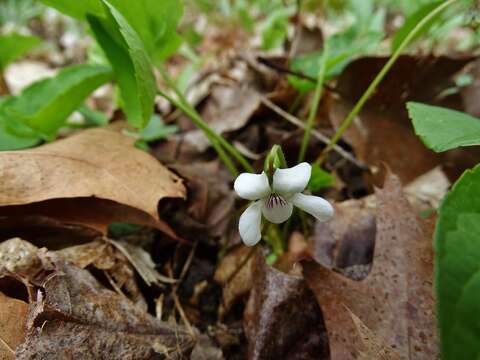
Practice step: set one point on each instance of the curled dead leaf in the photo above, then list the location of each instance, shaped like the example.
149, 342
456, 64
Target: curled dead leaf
77, 317
234, 273
90, 178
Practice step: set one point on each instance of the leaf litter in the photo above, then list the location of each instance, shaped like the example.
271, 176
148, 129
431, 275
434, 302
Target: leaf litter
357, 287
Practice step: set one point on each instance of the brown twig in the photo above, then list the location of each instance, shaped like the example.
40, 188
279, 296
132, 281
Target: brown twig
176, 300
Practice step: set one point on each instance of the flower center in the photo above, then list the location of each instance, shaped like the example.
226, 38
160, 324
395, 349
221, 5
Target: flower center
275, 200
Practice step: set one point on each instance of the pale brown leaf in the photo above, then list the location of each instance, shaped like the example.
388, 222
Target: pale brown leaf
99, 166
13, 314
395, 301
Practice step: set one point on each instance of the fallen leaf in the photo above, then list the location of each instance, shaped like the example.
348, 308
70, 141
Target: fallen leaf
375, 348
18, 256
234, 274
43, 230
21, 74
395, 301
282, 319
210, 200
427, 191
471, 92
142, 262
78, 318
346, 242
205, 349
228, 108
100, 166
13, 315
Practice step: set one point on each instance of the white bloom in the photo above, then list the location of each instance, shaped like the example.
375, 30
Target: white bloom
276, 202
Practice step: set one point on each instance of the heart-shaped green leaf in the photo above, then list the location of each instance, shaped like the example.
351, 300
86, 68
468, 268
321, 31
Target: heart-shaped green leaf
443, 129
458, 268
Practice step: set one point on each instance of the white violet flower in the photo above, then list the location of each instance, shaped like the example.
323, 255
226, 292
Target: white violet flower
276, 202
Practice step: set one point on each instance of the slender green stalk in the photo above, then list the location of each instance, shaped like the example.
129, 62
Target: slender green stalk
189, 110
211, 135
373, 85
274, 238
313, 109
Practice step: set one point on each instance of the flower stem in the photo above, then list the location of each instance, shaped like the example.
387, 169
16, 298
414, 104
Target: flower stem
189, 110
209, 133
275, 239
373, 85
313, 109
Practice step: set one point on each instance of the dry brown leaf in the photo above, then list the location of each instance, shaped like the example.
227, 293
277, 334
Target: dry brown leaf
13, 315
234, 273
395, 300
346, 242
471, 92
427, 191
375, 348
142, 262
228, 108
78, 318
43, 230
18, 256
100, 166
282, 319
210, 201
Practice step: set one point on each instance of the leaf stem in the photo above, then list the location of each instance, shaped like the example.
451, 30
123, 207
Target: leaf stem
373, 85
189, 110
208, 133
313, 109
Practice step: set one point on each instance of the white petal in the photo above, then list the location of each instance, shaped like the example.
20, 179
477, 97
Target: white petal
314, 205
252, 186
249, 224
292, 180
277, 212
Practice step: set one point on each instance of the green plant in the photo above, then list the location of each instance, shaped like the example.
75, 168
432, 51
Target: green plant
457, 245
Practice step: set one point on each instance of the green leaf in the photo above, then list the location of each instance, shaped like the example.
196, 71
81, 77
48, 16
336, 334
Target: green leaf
131, 63
457, 268
13, 46
77, 8
275, 28
165, 16
343, 48
156, 130
15, 135
45, 105
92, 117
443, 129
412, 21
319, 179
155, 21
